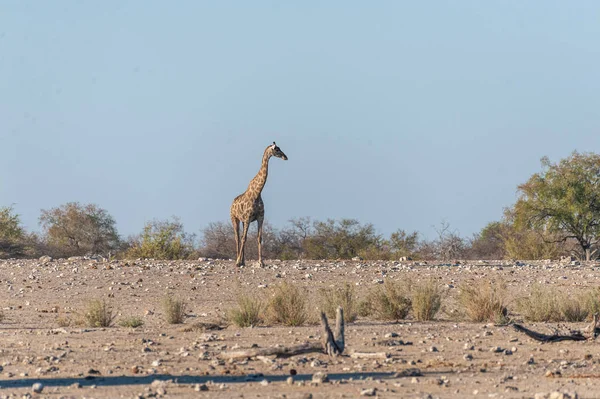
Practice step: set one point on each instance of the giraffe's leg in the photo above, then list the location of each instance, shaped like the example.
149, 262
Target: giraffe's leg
259, 237
243, 243
236, 235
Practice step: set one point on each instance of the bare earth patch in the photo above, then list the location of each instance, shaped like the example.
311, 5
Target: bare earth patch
44, 339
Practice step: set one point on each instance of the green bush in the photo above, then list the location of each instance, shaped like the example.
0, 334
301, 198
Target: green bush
162, 240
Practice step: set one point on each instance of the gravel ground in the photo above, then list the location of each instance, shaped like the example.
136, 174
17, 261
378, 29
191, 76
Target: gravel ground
42, 356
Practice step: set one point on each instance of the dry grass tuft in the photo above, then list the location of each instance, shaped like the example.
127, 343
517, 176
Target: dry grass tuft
248, 311
287, 306
544, 304
484, 301
174, 310
98, 314
345, 296
131, 322
389, 301
426, 300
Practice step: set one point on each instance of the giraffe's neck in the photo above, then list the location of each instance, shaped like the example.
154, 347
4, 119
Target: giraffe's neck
258, 183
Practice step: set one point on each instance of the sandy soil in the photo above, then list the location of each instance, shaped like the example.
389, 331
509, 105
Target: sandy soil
454, 358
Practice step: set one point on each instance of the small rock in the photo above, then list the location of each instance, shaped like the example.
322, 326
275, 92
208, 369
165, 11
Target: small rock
391, 335
368, 392
433, 349
320, 378
496, 349
200, 387
37, 387
290, 381
264, 383
156, 363
76, 385
468, 357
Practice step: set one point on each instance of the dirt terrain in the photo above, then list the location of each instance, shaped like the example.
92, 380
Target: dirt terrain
447, 358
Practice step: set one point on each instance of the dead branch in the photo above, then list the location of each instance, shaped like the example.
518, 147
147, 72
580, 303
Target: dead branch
591, 332
369, 355
332, 345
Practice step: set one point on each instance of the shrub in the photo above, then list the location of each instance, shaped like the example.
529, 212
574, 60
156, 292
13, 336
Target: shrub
131, 321
287, 306
426, 300
540, 305
344, 296
484, 301
99, 314
174, 310
162, 239
574, 310
544, 304
389, 301
248, 312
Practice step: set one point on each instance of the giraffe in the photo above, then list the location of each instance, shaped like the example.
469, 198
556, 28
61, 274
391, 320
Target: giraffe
248, 207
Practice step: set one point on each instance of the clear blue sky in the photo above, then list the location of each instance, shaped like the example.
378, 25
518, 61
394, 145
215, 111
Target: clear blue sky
398, 113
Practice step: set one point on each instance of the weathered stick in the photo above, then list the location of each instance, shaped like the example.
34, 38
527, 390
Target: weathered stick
331, 345
369, 355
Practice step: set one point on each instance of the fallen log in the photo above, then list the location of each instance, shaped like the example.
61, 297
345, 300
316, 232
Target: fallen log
332, 344
591, 332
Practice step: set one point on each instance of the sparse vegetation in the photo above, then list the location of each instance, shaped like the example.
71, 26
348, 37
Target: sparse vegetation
484, 300
248, 311
64, 321
345, 296
131, 322
545, 304
287, 306
99, 313
426, 298
389, 301
174, 310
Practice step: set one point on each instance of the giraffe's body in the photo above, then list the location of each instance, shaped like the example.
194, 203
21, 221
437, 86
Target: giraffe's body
249, 207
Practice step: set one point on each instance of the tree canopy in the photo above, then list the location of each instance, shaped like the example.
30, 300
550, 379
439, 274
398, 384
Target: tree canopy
562, 202
78, 229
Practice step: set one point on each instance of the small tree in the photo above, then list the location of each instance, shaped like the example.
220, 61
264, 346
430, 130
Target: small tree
403, 244
11, 233
162, 239
75, 229
343, 239
563, 201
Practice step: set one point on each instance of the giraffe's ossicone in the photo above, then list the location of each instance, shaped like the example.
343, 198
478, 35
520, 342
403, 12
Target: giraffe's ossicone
249, 207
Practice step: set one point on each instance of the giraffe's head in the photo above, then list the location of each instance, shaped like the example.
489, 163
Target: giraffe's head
276, 152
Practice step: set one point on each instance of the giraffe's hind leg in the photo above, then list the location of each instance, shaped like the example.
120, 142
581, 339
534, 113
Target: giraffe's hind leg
236, 234
259, 238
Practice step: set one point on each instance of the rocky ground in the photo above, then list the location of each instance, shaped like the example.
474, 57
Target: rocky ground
43, 348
